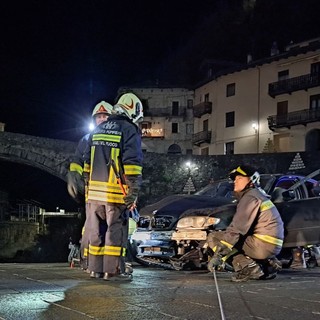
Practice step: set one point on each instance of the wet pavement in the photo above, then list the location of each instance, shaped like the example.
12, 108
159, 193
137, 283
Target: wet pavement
56, 291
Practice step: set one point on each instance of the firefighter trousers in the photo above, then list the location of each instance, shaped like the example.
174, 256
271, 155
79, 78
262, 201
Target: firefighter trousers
107, 248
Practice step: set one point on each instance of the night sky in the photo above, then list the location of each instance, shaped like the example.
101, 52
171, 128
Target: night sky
59, 58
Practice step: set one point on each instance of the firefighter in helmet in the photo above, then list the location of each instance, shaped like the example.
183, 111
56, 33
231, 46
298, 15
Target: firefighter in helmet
75, 181
256, 231
114, 150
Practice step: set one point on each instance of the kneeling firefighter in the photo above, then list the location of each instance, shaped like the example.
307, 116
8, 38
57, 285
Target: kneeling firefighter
255, 233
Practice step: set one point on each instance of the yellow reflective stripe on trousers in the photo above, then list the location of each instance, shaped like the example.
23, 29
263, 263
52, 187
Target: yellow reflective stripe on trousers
96, 251
114, 251
269, 239
85, 252
265, 205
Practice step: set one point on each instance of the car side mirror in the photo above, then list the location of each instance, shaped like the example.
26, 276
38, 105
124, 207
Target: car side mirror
288, 195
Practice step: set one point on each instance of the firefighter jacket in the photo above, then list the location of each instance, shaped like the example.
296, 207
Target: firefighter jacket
115, 143
77, 161
255, 216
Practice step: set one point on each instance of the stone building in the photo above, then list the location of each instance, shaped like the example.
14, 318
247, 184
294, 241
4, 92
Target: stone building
168, 118
270, 105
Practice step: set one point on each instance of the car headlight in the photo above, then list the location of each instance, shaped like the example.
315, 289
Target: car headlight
197, 222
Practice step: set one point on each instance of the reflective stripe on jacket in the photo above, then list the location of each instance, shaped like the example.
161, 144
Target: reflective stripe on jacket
257, 216
118, 140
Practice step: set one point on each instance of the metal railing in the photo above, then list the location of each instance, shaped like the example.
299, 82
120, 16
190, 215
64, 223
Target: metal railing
202, 108
201, 137
294, 84
293, 118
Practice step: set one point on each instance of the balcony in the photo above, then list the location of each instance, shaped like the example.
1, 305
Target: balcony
201, 137
202, 108
293, 118
303, 82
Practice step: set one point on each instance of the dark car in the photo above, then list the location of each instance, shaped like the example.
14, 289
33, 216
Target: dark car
150, 242
296, 197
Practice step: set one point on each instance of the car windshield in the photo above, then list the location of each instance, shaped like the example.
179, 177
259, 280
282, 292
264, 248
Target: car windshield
217, 189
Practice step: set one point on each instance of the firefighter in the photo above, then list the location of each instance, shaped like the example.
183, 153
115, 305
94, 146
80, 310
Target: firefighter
113, 145
256, 231
75, 180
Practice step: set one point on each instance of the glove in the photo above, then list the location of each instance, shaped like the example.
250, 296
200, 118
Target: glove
215, 263
75, 184
217, 246
133, 190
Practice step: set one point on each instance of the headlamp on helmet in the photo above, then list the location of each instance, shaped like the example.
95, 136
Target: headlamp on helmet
246, 171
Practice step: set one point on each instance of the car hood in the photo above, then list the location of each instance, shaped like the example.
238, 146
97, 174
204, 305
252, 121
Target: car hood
177, 204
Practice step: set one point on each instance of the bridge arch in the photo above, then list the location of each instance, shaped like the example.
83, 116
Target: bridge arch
50, 155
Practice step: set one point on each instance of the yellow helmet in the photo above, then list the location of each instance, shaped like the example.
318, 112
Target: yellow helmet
131, 106
102, 107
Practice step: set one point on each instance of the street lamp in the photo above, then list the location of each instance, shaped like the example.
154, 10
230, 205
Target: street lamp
189, 186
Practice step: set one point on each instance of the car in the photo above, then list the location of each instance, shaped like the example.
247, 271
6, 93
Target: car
175, 237
150, 242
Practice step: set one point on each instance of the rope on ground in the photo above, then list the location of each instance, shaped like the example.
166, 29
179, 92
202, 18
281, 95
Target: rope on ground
218, 294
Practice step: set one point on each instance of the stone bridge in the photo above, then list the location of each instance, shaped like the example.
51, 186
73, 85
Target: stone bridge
50, 155
162, 174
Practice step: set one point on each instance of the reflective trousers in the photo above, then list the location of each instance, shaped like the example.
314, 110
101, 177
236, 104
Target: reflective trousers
250, 249
107, 249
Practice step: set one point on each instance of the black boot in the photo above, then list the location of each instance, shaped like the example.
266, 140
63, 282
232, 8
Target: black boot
270, 268
252, 271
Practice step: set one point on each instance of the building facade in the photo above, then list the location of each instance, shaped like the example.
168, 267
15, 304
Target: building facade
270, 105
168, 118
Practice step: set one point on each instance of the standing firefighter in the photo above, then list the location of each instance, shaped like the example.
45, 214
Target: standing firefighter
114, 147
76, 190
256, 230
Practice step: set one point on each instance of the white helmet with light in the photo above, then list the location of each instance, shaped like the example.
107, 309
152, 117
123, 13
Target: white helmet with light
102, 107
131, 106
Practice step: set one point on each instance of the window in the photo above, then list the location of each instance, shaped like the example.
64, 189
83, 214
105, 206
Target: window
229, 148
145, 129
175, 108
315, 102
189, 128
315, 68
174, 127
231, 89
145, 106
230, 119
205, 125
282, 108
188, 151
283, 75
205, 151
206, 97
190, 103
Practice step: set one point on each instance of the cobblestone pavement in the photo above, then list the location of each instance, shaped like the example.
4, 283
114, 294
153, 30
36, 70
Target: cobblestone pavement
56, 291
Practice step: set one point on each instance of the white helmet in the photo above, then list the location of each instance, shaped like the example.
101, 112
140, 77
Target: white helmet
131, 106
102, 107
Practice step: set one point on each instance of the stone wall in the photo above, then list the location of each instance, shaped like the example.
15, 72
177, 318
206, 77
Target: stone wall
164, 175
